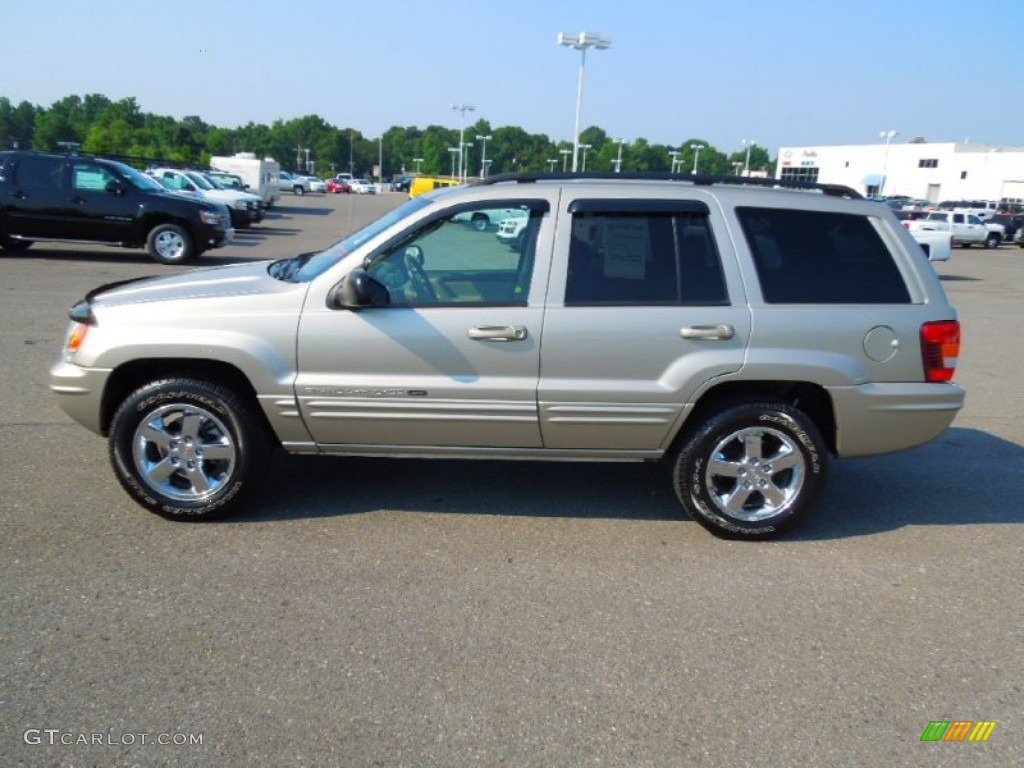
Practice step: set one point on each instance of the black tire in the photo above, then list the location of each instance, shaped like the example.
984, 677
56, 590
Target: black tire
299, 191
14, 246
170, 244
727, 471
187, 449
480, 222
993, 240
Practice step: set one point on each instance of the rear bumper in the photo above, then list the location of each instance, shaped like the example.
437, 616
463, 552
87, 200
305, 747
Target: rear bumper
882, 418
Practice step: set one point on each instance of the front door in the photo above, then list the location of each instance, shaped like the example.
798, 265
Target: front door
450, 356
100, 205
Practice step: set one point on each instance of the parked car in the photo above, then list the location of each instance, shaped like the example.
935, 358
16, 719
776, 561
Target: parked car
362, 187
740, 332
295, 184
316, 184
401, 183
58, 198
246, 209
337, 185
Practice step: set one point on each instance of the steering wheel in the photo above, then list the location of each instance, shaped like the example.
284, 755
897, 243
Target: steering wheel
413, 259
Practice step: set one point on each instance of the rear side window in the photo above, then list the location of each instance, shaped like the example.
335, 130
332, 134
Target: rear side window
814, 257
643, 258
40, 172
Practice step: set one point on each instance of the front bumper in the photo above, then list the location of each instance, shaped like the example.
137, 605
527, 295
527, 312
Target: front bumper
79, 392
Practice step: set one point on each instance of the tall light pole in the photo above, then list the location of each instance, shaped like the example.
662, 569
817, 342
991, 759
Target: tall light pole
465, 166
585, 147
696, 155
483, 154
552, 162
419, 162
581, 41
463, 109
454, 151
674, 154
565, 156
746, 163
736, 167
380, 163
618, 158
888, 135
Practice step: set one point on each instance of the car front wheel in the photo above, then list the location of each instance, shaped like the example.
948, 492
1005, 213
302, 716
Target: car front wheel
170, 244
187, 449
993, 240
752, 470
299, 191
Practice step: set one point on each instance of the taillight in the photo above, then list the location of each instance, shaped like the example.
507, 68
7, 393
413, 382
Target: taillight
940, 349
906, 225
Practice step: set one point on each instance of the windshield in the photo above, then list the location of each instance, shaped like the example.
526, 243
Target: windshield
140, 180
200, 181
319, 263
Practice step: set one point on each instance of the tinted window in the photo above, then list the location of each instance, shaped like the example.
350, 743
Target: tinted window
643, 258
40, 171
810, 257
453, 261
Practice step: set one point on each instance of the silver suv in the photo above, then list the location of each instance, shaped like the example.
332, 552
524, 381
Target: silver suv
741, 331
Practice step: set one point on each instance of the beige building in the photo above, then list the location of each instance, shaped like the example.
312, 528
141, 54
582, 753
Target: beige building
936, 172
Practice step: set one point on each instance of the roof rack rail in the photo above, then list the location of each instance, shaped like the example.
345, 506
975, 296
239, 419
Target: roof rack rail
834, 190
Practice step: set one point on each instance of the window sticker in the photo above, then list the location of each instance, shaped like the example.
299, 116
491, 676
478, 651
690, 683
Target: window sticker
626, 244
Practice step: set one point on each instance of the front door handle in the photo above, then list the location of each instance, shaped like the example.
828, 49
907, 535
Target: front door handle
498, 333
719, 332
77, 200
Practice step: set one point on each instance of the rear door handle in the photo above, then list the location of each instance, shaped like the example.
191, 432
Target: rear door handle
719, 332
498, 333
79, 200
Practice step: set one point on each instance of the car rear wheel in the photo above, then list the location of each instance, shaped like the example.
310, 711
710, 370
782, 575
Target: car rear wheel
170, 244
993, 240
480, 222
752, 470
188, 449
299, 191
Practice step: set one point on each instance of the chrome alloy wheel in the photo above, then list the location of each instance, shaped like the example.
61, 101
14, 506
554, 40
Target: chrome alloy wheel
183, 452
755, 473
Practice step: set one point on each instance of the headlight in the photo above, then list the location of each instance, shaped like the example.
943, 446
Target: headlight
210, 217
240, 205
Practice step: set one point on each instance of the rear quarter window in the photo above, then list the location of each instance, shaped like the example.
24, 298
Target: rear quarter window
819, 257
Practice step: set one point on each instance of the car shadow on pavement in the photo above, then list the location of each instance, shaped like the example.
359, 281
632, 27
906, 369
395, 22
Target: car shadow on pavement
961, 478
304, 487
281, 210
958, 479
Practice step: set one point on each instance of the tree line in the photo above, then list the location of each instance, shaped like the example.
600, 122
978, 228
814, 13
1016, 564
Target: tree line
97, 125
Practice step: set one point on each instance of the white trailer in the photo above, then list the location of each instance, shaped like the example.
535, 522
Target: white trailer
261, 176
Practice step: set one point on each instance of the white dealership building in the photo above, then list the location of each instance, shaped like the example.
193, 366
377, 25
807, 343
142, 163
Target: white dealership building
919, 169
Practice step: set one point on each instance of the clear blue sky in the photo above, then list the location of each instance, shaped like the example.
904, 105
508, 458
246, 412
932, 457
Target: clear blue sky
781, 72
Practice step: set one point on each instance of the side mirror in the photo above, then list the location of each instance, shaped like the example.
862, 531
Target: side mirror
358, 290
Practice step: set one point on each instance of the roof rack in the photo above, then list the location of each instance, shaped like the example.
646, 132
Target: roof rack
834, 190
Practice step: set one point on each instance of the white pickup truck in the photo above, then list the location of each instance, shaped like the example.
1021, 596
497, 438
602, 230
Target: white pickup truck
966, 229
937, 245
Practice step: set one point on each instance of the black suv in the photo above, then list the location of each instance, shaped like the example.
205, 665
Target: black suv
87, 199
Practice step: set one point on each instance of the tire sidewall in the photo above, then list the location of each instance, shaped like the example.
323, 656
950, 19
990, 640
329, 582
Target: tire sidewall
187, 252
136, 409
692, 460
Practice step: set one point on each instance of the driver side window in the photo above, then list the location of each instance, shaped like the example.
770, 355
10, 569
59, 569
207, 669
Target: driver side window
475, 256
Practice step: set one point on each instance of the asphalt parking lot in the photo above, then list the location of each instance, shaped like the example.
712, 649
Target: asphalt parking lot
442, 613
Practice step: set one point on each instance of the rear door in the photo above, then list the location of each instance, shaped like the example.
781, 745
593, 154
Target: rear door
641, 316
35, 197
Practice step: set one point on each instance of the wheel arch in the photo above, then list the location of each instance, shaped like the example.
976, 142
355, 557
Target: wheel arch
128, 377
812, 399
